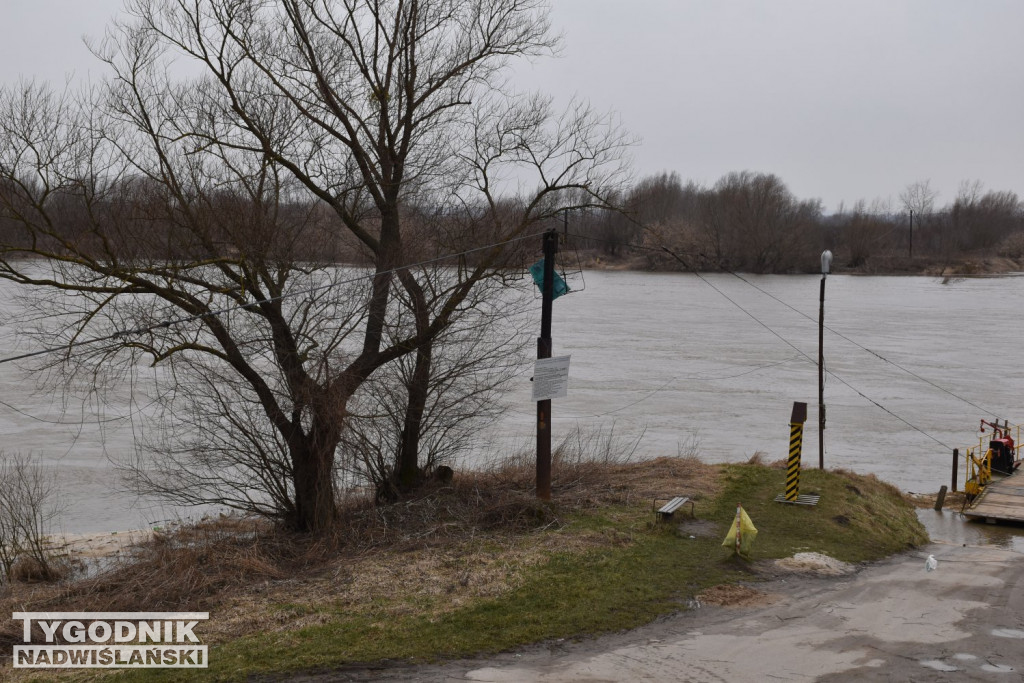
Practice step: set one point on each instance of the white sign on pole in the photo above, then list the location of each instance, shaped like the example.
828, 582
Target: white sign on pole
551, 378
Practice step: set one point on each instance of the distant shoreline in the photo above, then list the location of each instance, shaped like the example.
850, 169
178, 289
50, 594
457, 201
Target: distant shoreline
961, 267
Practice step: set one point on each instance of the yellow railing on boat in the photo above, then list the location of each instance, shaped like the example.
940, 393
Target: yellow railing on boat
979, 460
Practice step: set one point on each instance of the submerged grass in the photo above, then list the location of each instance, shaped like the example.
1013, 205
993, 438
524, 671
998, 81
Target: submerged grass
512, 571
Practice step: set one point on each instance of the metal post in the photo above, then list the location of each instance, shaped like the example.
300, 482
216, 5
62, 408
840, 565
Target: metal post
826, 266
821, 377
550, 246
956, 466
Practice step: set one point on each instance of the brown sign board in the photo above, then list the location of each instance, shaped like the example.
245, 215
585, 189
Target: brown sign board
799, 413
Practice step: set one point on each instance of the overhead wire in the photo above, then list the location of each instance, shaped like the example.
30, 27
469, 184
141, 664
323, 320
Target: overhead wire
864, 348
64, 423
780, 337
309, 290
665, 384
828, 372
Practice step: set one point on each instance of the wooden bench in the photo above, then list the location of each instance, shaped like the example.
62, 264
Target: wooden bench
666, 511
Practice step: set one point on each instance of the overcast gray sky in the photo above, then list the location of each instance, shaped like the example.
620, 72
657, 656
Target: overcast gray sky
843, 99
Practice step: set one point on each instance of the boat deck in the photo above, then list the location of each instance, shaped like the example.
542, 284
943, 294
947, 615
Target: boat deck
1002, 500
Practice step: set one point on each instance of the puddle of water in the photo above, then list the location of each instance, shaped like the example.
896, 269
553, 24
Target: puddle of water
938, 665
1007, 633
997, 668
964, 657
948, 526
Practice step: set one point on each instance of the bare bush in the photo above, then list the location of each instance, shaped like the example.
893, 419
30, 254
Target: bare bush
581, 454
979, 220
1013, 246
28, 508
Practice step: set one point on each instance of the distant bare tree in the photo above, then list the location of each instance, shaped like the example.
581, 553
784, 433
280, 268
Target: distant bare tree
866, 231
918, 201
919, 197
983, 220
752, 221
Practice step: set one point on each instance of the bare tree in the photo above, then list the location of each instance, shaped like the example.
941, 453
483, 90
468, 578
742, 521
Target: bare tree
866, 231
476, 357
364, 108
919, 197
752, 221
982, 220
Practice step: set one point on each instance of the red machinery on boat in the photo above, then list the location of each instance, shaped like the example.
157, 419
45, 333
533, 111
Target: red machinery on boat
1001, 445
999, 457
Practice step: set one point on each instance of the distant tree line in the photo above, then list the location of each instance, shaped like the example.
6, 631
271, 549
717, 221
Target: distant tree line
752, 222
745, 221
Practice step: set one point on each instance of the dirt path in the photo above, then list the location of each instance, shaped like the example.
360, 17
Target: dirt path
893, 621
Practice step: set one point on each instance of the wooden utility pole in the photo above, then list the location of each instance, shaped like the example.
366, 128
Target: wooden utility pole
550, 247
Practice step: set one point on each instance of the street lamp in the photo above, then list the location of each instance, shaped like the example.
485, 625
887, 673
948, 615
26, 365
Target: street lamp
826, 266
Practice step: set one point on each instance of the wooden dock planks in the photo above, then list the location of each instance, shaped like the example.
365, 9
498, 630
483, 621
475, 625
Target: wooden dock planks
1002, 500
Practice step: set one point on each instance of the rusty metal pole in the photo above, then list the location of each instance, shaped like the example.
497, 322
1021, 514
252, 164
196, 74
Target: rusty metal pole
550, 247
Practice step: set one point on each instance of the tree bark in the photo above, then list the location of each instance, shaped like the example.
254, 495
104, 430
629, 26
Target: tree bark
313, 472
407, 470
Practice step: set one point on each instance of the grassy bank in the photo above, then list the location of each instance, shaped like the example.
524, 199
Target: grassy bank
481, 567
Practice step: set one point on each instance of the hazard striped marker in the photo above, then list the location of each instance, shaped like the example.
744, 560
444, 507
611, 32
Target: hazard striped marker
796, 440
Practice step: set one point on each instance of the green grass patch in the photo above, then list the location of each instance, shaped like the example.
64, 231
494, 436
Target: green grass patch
644, 571
857, 519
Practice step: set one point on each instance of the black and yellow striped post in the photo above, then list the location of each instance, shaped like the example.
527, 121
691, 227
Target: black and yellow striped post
796, 444
796, 440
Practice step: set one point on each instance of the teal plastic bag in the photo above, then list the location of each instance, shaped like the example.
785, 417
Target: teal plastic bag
537, 271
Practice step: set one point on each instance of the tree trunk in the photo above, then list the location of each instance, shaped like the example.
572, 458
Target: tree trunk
313, 472
407, 470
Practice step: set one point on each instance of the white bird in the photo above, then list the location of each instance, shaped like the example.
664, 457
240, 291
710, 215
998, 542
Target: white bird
931, 563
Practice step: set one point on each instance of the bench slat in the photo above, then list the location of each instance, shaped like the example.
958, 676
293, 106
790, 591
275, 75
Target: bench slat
669, 508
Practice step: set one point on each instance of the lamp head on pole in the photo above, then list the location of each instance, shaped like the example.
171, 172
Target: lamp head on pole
826, 262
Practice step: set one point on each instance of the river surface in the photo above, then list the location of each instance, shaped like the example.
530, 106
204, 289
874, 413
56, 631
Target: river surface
710, 364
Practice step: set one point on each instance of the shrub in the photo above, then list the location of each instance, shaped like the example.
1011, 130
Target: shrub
27, 509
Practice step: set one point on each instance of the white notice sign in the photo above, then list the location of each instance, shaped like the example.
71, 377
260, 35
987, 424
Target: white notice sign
551, 378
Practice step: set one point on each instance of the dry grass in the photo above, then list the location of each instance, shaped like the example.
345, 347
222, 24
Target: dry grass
735, 595
475, 537
479, 564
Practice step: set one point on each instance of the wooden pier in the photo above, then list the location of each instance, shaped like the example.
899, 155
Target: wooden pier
1001, 501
